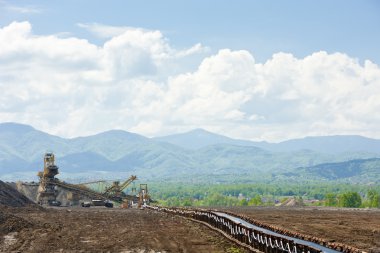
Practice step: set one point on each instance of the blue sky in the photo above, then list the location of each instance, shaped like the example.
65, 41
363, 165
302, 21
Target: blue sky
260, 70
262, 27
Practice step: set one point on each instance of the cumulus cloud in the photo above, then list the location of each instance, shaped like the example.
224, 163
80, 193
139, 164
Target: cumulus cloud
152, 39
70, 86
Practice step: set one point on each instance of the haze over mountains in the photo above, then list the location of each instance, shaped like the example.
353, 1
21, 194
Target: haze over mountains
195, 155
200, 138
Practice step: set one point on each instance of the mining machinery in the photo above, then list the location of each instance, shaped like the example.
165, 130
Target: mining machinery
48, 185
144, 197
115, 191
73, 196
47, 193
47, 189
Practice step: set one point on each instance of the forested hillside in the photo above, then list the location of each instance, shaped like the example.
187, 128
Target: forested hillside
207, 158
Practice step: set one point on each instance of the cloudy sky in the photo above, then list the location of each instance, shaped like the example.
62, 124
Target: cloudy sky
259, 70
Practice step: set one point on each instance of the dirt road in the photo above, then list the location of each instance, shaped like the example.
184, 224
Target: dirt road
356, 227
111, 230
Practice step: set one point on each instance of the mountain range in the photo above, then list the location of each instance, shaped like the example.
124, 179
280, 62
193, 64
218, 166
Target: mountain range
200, 138
186, 156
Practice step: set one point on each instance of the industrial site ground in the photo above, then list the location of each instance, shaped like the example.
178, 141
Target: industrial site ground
99, 229
27, 227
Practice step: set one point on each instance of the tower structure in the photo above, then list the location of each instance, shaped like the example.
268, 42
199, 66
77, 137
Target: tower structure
46, 191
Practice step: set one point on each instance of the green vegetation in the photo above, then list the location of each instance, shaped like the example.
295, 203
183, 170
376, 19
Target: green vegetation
116, 153
354, 199
350, 199
260, 194
233, 250
365, 169
256, 201
331, 199
373, 199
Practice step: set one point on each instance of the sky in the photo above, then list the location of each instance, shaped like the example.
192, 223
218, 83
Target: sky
258, 70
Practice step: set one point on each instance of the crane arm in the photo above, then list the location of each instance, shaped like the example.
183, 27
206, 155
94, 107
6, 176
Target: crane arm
128, 182
117, 187
93, 182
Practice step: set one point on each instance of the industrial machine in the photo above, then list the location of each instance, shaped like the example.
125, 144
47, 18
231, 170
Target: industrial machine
115, 191
47, 189
143, 196
49, 185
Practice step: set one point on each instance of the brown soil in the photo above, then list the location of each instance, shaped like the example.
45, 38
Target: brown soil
98, 229
26, 227
355, 227
11, 223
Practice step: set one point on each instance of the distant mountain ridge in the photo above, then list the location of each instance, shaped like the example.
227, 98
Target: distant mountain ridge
331, 144
186, 155
351, 169
200, 138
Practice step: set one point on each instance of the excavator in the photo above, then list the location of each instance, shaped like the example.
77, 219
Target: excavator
47, 190
49, 186
115, 191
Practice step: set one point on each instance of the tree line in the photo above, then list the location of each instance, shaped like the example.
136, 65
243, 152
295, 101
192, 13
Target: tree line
320, 194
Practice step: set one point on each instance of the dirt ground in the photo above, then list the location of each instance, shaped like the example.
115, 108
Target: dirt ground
98, 229
356, 227
26, 227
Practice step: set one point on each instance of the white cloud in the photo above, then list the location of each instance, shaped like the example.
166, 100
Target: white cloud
104, 31
26, 9
197, 48
69, 86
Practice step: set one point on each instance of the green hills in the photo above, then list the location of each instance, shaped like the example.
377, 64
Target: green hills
194, 156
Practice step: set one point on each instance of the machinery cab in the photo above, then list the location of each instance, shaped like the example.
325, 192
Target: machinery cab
50, 169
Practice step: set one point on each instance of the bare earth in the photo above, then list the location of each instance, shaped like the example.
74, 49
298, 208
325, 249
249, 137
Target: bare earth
98, 229
356, 227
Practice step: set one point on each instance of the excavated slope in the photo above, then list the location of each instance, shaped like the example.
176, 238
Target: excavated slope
12, 198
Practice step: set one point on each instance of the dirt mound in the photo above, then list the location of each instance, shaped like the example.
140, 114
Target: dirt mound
12, 198
10, 223
292, 202
27, 189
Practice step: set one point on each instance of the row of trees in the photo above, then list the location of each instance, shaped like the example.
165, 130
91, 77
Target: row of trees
214, 200
347, 199
353, 199
259, 195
